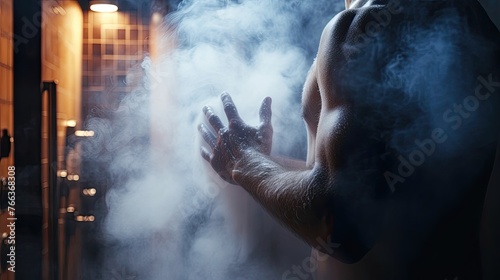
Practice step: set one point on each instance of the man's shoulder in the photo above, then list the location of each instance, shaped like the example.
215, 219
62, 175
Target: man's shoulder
349, 34
356, 26
380, 14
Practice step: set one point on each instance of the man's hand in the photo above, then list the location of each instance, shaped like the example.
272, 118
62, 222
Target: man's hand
226, 148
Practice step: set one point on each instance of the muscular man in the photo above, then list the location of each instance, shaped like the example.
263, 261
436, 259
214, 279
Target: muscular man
401, 107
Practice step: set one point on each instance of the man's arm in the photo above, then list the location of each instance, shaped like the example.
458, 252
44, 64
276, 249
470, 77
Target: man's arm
297, 198
289, 163
302, 200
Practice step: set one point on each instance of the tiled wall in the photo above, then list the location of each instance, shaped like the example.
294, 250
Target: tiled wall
113, 45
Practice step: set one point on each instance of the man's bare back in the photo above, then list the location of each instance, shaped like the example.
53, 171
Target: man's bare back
401, 144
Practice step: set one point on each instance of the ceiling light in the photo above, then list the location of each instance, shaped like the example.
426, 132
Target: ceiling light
103, 6
70, 123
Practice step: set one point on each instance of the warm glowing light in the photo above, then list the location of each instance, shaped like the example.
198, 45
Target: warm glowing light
62, 173
81, 218
89, 192
4, 235
103, 8
70, 209
156, 17
73, 177
70, 123
84, 133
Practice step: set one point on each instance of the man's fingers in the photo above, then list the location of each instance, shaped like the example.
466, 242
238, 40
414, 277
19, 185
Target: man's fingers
265, 111
207, 136
205, 153
212, 118
229, 107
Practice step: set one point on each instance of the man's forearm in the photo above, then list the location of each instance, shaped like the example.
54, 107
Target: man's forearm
295, 197
289, 163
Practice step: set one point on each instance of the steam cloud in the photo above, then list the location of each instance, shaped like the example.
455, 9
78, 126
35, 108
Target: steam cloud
169, 217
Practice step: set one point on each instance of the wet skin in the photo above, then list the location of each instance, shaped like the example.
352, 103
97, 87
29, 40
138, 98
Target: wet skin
381, 235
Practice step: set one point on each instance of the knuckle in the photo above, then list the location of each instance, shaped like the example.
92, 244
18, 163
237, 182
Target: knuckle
234, 124
223, 133
229, 107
